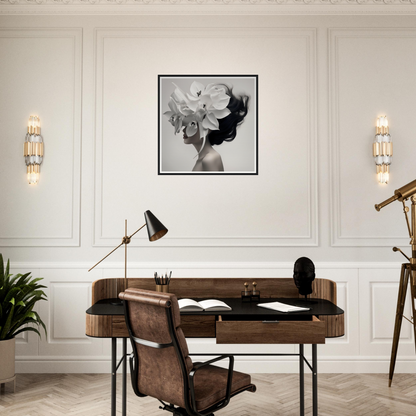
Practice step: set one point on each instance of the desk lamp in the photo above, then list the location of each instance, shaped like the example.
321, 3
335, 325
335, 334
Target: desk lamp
155, 230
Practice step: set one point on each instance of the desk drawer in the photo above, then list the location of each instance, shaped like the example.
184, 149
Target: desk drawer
198, 326
281, 332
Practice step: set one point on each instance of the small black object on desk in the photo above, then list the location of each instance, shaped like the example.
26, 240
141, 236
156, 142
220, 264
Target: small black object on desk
250, 295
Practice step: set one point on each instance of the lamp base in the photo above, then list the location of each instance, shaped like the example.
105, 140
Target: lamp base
115, 301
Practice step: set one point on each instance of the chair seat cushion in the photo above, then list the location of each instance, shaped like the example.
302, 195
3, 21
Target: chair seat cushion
211, 385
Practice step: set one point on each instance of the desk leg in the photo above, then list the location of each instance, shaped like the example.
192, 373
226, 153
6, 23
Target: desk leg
314, 380
301, 381
124, 376
113, 375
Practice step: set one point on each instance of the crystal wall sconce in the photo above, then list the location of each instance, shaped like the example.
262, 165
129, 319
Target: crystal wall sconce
382, 149
33, 150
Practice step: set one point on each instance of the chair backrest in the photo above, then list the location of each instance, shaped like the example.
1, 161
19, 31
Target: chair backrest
159, 345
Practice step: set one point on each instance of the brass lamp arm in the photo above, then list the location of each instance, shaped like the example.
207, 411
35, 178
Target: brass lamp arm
125, 240
112, 251
144, 225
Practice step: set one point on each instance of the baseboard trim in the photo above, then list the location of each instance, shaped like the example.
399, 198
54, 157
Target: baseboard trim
245, 364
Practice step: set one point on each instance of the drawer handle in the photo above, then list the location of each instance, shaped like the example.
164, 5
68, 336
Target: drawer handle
270, 322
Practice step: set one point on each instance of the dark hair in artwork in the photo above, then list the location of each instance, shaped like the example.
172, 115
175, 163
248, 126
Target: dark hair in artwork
238, 106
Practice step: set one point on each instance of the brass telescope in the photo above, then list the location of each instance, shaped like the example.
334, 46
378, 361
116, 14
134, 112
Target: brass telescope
408, 270
400, 194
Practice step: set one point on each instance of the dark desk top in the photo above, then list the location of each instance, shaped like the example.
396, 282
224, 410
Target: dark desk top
240, 309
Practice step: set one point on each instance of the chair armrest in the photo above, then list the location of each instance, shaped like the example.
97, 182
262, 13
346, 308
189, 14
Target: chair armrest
229, 379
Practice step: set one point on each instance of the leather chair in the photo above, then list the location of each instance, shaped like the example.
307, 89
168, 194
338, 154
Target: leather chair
160, 365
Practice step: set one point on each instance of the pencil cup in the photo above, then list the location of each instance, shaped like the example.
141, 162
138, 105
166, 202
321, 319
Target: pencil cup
162, 288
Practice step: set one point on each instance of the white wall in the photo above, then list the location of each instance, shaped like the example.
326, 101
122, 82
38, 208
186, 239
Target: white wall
323, 81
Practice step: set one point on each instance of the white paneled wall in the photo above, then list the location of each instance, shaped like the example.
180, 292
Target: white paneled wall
323, 81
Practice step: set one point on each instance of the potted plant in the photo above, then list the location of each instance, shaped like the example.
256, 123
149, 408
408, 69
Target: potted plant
18, 296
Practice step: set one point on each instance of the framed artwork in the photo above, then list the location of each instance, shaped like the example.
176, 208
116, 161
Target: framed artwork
208, 125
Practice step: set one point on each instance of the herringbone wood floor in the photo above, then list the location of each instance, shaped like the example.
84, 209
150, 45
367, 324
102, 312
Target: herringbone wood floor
277, 394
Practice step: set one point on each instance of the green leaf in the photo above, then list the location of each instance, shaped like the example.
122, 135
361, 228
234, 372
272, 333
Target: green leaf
11, 294
23, 279
19, 294
1, 270
41, 322
27, 328
3, 334
6, 273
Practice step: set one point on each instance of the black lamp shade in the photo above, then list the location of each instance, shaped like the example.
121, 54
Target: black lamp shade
155, 228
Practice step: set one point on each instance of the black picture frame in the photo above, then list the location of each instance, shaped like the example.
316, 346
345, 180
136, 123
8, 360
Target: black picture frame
176, 156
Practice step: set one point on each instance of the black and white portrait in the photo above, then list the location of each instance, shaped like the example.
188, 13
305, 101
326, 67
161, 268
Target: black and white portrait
208, 124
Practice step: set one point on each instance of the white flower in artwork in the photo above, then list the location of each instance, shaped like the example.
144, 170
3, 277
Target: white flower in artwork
204, 106
174, 115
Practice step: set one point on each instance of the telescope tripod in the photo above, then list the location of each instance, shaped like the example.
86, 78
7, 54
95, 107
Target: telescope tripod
408, 272
405, 275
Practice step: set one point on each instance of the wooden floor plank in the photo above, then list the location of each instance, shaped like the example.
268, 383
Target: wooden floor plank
277, 394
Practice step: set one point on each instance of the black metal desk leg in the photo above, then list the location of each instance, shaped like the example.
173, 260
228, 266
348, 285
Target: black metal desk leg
113, 375
315, 379
301, 381
124, 408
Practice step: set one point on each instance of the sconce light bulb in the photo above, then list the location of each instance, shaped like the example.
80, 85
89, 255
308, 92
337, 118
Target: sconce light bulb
33, 178
383, 177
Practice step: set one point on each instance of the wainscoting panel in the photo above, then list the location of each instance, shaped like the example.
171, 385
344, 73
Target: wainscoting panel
69, 296
65, 326
347, 295
366, 293
378, 300
128, 63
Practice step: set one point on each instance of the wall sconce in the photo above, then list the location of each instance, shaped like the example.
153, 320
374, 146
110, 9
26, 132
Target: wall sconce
33, 150
382, 149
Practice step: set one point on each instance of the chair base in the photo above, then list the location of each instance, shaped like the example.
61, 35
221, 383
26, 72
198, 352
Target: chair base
177, 411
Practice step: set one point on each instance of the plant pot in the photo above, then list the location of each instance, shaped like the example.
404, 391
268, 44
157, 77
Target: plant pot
7, 360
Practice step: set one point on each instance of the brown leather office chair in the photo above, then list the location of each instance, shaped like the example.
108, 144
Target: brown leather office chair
160, 364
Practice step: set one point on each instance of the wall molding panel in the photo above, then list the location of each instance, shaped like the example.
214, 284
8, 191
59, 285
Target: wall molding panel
64, 230
305, 40
341, 43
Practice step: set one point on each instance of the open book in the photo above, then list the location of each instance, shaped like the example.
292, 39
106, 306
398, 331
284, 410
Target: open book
210, 305
282, 307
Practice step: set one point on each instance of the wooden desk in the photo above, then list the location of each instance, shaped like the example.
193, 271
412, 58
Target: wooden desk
243, 325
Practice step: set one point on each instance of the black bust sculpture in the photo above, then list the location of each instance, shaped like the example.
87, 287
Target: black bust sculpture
304, 275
